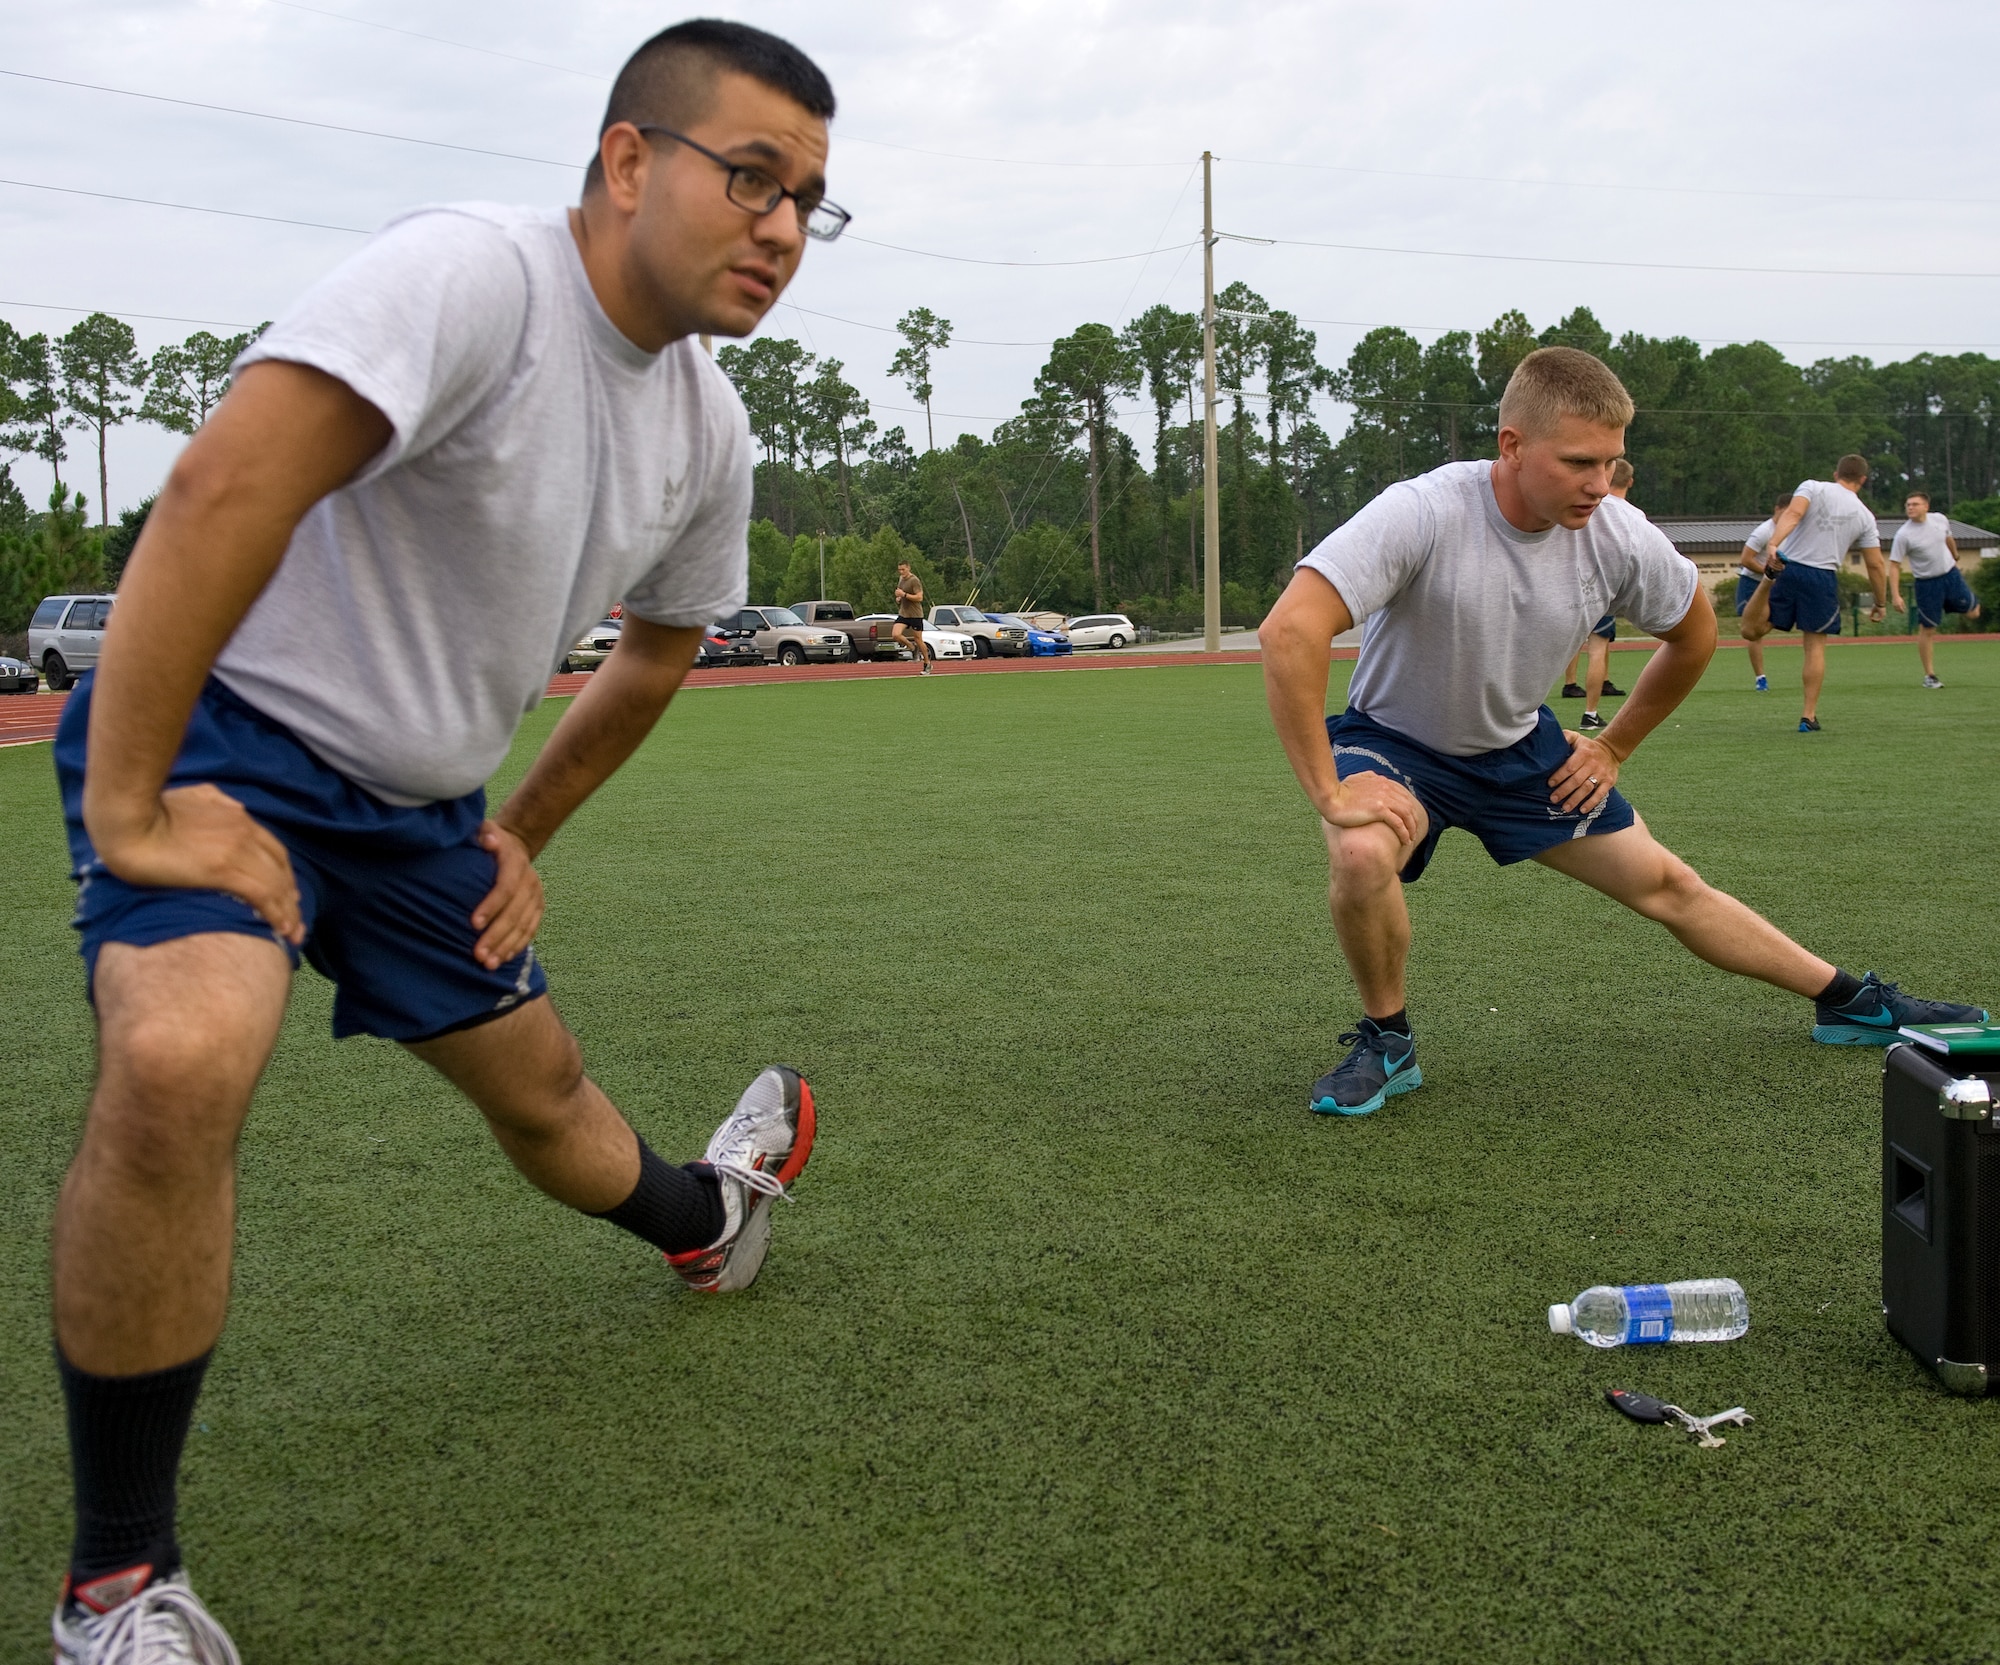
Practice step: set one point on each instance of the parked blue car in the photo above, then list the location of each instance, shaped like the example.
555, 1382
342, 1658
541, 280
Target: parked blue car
1041, 643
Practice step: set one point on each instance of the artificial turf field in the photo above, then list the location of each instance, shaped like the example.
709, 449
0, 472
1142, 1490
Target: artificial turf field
1084, 1341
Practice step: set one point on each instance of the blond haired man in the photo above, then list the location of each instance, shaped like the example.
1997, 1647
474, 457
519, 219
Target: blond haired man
1824, 523
1476, 582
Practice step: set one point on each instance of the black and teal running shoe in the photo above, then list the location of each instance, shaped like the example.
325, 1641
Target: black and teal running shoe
1874, 1015
1379, 1067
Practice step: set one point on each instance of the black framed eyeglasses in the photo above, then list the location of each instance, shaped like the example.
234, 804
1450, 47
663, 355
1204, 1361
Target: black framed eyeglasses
756, 192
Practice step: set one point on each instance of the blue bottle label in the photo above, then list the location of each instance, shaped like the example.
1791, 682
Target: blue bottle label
1649, 1313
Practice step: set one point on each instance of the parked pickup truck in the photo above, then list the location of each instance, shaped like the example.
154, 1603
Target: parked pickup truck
868, 638
785, 636
988, 635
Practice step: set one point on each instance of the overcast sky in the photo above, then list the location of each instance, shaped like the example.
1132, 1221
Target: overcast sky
1818, 138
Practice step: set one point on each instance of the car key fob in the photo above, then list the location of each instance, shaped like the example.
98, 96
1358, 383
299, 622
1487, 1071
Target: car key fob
1639, 1407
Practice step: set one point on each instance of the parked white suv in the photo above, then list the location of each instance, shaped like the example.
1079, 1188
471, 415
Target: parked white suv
1105, 630
65, 635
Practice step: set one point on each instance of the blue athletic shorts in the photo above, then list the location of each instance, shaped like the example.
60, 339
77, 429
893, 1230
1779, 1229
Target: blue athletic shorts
386, 892
1946, 593
1745, 589
1607, 627
1501, 798
1806, 598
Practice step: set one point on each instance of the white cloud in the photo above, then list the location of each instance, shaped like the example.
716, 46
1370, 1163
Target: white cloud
1841, 100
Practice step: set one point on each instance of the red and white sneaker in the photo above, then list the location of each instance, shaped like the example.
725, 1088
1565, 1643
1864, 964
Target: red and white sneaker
756, 1153
123, 1619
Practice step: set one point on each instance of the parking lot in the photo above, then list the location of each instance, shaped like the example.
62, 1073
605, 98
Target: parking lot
29, 718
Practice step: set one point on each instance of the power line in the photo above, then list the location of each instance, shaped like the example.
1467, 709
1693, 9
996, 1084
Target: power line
462, 45
973, 260
184, 207
295, 121
589, 75
1584, 185
1033, 162
1003, 161
889, 329
115, 312
1636, 265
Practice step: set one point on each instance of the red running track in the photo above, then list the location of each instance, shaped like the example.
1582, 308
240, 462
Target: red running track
28, 718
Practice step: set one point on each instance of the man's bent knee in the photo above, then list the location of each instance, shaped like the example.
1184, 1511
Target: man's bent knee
1364, 858
184, 1031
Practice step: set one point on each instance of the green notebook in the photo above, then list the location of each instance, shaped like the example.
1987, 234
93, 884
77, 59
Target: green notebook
1955, 1039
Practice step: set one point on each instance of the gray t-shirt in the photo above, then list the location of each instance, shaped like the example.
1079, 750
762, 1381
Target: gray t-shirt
1835, 521
1470, 619
1923, 546
1760, 540
542, 467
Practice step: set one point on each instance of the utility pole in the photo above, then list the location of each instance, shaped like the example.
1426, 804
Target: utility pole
1211, 525
822, 560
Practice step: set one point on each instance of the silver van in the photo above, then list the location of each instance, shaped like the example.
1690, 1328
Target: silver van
65, 635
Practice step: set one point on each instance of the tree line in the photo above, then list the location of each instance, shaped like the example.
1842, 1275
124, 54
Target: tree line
1059, 509
88, 381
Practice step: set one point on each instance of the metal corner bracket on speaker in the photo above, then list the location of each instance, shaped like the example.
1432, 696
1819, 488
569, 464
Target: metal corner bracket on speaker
1962, 1378
1965, 1101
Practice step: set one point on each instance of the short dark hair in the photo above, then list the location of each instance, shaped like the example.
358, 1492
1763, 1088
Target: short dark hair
669, 80
1918, 491
1853, 466
1784, 502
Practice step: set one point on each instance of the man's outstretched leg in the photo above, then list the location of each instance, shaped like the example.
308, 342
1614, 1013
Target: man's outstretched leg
1813, 677
1632, 867
143, 1236
1372, 920
711, 1219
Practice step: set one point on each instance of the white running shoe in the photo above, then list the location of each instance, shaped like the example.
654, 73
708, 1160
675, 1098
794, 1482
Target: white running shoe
756, 1153
164, 1623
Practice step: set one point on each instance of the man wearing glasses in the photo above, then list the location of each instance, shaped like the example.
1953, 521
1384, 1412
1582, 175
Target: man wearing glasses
457, 450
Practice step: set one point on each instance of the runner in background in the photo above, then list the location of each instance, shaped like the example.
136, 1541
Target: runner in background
909, 626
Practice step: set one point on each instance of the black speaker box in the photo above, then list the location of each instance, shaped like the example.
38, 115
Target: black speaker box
1941, 1214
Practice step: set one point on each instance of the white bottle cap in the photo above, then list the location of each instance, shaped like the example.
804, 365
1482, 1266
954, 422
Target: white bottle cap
1559, 1318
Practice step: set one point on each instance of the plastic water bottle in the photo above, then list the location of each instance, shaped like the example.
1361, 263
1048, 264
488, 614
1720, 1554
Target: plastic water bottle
1701, 1309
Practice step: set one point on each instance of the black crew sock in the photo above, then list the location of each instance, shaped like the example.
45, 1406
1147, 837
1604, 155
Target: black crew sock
1844, 987
125, 1439
674, 1209
1398, 1024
